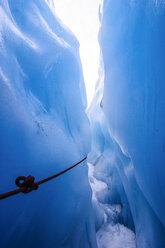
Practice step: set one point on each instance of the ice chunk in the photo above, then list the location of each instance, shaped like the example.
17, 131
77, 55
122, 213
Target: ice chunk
116, 236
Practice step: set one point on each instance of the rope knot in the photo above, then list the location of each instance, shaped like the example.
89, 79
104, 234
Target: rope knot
26, 183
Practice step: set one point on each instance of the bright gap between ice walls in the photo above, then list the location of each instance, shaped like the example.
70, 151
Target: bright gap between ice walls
82, 18
109, 152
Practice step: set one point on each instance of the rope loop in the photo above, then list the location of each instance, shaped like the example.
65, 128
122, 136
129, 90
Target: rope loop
27, 183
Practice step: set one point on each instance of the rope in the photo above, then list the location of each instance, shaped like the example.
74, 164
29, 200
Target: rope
28, 184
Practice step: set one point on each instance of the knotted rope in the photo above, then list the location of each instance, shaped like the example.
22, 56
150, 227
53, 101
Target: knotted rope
28, 184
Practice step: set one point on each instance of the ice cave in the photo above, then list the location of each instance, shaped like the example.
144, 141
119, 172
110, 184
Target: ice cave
93, 92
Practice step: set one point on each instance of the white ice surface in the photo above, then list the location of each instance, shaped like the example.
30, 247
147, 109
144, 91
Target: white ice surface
116, 236
110, 233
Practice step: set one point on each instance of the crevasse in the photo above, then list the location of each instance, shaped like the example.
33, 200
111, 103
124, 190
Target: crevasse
128, 135
44, 128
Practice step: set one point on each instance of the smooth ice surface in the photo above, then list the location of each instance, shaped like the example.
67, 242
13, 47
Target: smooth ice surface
43, 130
132, 39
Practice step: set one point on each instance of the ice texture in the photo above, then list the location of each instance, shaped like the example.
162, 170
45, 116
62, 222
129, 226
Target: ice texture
110, 233
113, 219
43, 130
132, 39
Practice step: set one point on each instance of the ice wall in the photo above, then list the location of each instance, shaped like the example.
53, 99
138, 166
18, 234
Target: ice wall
132, 39
103, 156
43, 130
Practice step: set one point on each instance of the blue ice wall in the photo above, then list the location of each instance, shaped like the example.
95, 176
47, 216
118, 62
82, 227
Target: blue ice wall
103, 156
132, 39
43, 130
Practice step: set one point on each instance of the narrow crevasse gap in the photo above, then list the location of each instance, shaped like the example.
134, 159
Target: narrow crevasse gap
82, 18
111, 216
44, 128
113, 220
126, 164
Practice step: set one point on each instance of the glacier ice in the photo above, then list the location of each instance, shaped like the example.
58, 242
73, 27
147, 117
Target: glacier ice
130, 150
43, 130
110, 205
110, 233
